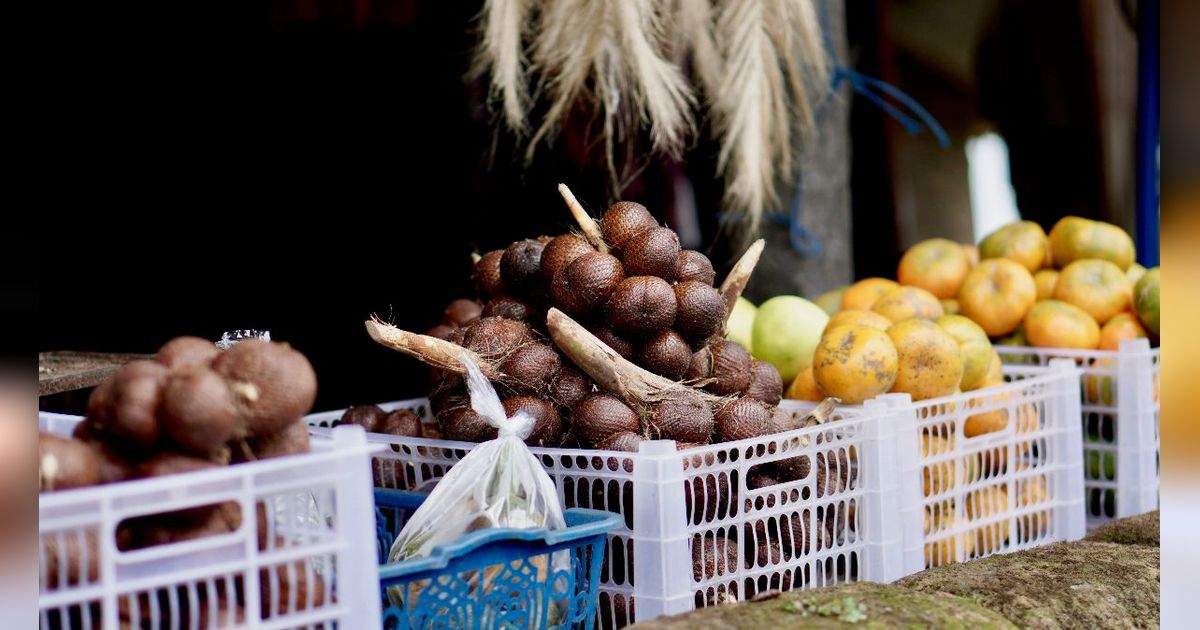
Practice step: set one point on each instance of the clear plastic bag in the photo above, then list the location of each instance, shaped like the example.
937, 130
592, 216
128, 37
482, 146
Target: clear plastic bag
500, 483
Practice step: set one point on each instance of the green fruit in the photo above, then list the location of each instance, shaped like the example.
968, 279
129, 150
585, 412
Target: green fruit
1145, 299
740, 327
831, 301
787, 329
974, 348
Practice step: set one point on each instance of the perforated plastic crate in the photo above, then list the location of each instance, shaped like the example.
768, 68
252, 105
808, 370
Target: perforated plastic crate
304, 554
692, 514
1022, 486
534, 578
1120, 409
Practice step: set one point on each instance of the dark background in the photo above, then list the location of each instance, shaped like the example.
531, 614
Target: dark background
299, 166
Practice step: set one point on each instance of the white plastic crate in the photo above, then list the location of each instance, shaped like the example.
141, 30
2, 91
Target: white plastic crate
313, 534
1120, 409
679, 503
959, 498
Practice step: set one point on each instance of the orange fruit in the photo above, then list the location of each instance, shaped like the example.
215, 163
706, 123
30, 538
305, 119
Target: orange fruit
904, 303
1076, 238
1122, 326
938, 477
804, 387
855, 363
929, 361
857, 316
1135, 273
996, 295
981, 504
830, 301
862, 294
972, 253
950, 306
1023, 242
974, 348
937, 265
1096, 286
1055, 324
1045, 280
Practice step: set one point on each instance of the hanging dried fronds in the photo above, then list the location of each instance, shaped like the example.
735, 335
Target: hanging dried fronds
501, 53
611, 49
690, 39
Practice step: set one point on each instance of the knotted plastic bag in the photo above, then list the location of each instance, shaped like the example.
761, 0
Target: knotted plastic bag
500, 483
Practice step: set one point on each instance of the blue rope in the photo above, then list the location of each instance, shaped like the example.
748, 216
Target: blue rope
874, 90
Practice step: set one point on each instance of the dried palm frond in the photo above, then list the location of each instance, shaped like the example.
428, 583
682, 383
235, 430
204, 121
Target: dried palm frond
690, 37
611, 49
772, 51
501, 54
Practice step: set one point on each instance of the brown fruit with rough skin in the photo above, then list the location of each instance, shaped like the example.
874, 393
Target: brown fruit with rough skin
67, 550
509, 307
182, 351
765, 383
521, 266
136, 395
532, 368
619, 344
587, 283
462, 424
570, 387
114, 467
599, 416
700, 366
683, 420
642, 306
401, 422
716, 556
494, 338
288, 441
487, 274
461, 312
547, 427
694, 266
741, 419
654, 252
666, 354
218, 519
624, 220
99, 405
441, 331
169, 463
730, 368
562, 251
626, 441
65, 463
365, 416
700, 310
760, 477
198, 413
294, 588
273, 384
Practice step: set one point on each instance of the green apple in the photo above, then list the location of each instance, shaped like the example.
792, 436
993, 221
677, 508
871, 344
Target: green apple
831, 301
740, 327
1145, 299
787, 329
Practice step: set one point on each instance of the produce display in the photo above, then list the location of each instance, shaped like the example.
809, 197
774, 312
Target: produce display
193, 407
606, 337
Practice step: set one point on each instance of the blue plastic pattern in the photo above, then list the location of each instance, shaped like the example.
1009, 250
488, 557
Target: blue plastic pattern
522, 589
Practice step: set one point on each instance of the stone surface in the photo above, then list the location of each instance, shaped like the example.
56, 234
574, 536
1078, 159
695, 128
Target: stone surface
1135, 530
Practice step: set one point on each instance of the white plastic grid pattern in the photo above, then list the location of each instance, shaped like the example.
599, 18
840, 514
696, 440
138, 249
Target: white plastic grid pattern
693, 512
1120, 416
283, 568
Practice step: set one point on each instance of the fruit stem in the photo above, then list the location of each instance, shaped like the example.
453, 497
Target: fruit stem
735, 282
431, 350
586, 223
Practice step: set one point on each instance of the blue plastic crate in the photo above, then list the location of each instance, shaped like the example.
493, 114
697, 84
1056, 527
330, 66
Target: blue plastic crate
523, 591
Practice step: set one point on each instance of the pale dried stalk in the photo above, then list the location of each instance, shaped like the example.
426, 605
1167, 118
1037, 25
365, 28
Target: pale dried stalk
430, 350
501, 53
612, 372
735, 282
591, 231
691, 38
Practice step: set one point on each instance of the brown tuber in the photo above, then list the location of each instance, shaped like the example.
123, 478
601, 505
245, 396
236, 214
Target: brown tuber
487, 274
562, 251
730, 368
701, 310
365, 416
683, 420
291, 440
182, 351
626, 441
273, 384
134, 404
532, 367
444, 332
462, 424
653, 252
64, 463
693, 265
461, 312
624, 220
610, 338
742, 419
494, 338
717, 556
765, 383
642, 306
666, 354
198, 412
586, 283
547, 428
521, 266
401, 422
601, 415
509, 307
570, 386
